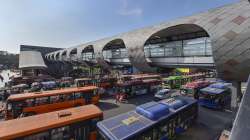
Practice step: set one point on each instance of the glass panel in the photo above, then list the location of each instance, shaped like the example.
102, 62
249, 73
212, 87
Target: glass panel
208, 47
107, 54
39, 136
78, 95
116, 53
156, 50
60, 133
191, 47
54, 99
30, 102
147, 51
194, 47
173, 48
42, 101
124, 53
87, 56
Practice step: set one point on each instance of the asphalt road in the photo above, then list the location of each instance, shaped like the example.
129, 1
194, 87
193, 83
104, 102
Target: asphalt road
208, 126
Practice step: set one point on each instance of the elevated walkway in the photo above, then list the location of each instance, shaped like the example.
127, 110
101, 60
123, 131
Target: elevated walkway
191, 61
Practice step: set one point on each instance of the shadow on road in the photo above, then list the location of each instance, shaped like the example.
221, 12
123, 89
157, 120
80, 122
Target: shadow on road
107, 105
141, 100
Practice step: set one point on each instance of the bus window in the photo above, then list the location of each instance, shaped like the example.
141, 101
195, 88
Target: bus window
60, 133
30, 102
41, 101
68, 97
54, 99
78, 95
148, 135
39, 136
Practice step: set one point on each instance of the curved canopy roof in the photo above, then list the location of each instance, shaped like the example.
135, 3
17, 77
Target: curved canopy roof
31, 59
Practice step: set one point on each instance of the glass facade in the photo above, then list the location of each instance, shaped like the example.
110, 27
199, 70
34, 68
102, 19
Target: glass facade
115, 53
191, 47
73, 56
87, 56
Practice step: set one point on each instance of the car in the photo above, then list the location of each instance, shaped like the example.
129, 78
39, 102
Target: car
163, 94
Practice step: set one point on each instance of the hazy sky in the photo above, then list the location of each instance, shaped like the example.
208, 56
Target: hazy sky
65, 23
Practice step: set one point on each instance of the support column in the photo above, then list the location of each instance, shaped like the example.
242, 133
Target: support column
236, 95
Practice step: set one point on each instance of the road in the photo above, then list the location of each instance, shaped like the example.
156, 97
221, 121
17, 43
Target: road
208, 126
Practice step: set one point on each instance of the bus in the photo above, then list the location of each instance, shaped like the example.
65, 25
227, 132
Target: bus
192, 88
81, 82
146, 76
78, 123
172, 82
102, 82
215, 96
151, 121
175, 82
27, 104
138, 87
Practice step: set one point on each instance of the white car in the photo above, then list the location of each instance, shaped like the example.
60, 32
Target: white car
163, 94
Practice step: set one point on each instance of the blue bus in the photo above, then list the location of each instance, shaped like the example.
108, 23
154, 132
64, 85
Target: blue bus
215, 96
161, 120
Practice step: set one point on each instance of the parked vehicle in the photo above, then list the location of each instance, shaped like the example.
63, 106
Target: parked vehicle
193, 88
81, 82
215, 96
46, 101
163, 94
78, 123
151, 121
138, 87
49, 85
172, 82
19, 88
36, 86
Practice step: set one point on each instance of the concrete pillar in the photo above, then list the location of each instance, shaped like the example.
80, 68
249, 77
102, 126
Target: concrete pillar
236, 94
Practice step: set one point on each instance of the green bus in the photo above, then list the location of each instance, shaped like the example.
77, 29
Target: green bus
172, 82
